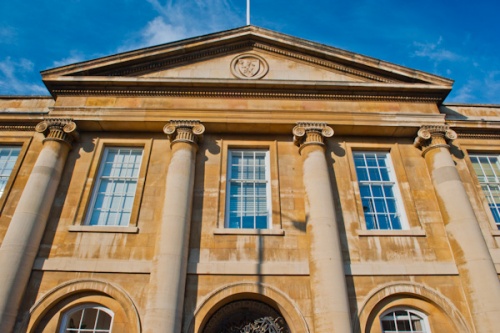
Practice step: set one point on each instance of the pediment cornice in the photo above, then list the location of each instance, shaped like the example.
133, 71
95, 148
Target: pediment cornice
154, 59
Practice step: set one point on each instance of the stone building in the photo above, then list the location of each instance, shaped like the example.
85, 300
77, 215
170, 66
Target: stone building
247, 179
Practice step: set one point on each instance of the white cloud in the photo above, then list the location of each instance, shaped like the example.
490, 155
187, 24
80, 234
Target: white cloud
74, 57
7, 35
465, 94
492, 86
158, 31
482, 89
12, 77
434, 51
179, 19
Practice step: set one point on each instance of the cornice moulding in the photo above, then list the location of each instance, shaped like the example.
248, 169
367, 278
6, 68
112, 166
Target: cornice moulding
224, 88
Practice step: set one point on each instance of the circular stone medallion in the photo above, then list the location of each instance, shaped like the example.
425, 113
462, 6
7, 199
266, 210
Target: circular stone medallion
249, 66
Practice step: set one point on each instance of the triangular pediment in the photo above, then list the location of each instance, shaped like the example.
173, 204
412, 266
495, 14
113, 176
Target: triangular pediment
251, 64
242, 58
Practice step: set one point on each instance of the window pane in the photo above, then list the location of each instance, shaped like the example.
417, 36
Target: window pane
234, 221
248, 187
374, 174
362, 174
89, 318
116, 185
261, 222
104, 321
248, 222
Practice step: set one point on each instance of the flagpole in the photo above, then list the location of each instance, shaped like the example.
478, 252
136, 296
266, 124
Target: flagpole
248, 12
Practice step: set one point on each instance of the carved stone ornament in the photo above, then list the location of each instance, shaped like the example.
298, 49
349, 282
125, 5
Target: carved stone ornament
311, 133
55, 129
249, 66
246, 316
434, 136
189, 131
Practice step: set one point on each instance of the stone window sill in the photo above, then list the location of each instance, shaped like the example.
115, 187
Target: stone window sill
108, 229
391, 233
495, 233
257, 232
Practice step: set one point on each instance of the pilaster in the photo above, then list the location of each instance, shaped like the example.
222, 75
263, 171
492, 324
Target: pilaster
328, 285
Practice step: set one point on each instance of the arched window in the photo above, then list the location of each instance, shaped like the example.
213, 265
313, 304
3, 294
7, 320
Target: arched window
87, 318
404, 321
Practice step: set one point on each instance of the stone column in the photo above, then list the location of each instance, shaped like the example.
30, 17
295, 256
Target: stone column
475, 265
26, 228
328, 284
168, 276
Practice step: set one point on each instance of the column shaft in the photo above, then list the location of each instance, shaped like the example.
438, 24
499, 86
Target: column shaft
475, 265
328, 284
168, 276
25, 232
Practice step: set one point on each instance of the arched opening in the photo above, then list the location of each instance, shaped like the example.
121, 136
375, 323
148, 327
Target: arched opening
246, 316
100, 300
422, 310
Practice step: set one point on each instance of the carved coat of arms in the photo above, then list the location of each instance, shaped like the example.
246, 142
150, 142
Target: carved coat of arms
249, 66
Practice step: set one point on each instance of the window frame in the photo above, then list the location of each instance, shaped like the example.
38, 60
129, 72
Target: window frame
484, 196
412, 226
100, 178
23, 143
420, 314
478, 147
67, 314
267, 181
92, 180
392, 182
274, 223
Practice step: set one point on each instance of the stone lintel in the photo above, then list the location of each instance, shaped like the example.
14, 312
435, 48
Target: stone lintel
58, 129
189, 131
434, 136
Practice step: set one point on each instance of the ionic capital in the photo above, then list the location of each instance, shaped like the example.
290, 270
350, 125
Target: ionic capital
311, 133
434, 136
56, 129
189, 131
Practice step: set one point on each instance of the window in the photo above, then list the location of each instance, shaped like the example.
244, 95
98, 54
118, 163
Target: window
115, 188
404, 321
248, 188
382, 205
8, 158
87, 319
487, 168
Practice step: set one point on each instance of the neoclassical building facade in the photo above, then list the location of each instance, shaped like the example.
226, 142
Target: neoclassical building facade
248, 181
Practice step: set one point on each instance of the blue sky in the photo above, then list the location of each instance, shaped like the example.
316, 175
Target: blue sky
456, 39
